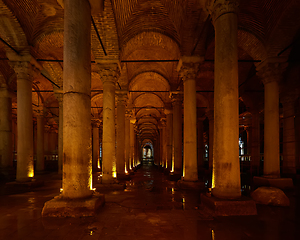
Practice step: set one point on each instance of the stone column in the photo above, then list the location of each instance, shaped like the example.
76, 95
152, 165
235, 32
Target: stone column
211, 123
121, 103
226, 165
161, 141
25, 164
77, 165
169, 138
188, 71
177, 133
59, 97
255, 143
289, 142
132, 142
40, 161
270, 72
96, 144
6, 141
127, 140
200, 148
165, 153
108, 74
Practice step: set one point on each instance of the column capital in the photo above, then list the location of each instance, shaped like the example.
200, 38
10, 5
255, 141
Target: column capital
210, 114
176, 96
109, 72
217, 8
5, 92
96, 123
122, 97
188, 67
271, 70
39, 111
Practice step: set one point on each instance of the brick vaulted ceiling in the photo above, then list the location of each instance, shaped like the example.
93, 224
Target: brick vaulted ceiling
145, 30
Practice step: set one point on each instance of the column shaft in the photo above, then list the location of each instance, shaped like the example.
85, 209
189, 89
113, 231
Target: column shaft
271, 130
132, 142
40, 161
127, 142
169, 139
25, 167
77, 168
226, 165
121, 133
289, 142
177, 136
96, 146
60, 136
6, 144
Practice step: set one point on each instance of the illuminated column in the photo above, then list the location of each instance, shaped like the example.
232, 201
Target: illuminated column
169, 138
255, 142
289, 142
188, 73
270, 72
40, 162
121, 103
77, 165
226, 165
177, 132
132, 142
127, 140
109, 72
6, 144
96, 144
164, 131
211, 123
25, 165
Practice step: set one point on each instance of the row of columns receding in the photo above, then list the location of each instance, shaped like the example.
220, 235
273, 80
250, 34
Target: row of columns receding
76, 117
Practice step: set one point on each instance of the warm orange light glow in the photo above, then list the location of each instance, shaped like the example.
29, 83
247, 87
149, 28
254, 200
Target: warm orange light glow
30, 172
212, 234
60, 190
114, 174
98, 164
91, 177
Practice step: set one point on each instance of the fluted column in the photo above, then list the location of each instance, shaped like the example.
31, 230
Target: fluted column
25, 165
6, 144
77, 165
40, 162
226, 165
127, 140
289, 142
188, 71
96, 143
109, 74
177, 132
169, 138
121, 103
270, 72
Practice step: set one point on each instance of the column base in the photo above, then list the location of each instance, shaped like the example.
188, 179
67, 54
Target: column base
282, 183
110, 186
270, 196
195, 185
223, 207
60, 207
16, 186
123, 176
174, 176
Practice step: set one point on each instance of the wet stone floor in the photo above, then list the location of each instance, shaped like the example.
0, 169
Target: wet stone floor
150, 207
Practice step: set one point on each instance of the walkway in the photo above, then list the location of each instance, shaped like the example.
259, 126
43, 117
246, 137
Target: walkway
150, 207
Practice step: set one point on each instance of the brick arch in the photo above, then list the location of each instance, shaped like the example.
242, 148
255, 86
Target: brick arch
10, 29
141, 82
149, 40
285, 30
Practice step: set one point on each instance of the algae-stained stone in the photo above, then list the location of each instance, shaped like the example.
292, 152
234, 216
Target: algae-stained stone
270, 196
